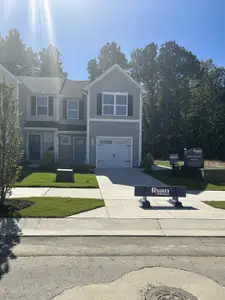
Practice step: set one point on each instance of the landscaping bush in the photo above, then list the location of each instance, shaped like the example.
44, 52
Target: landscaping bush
214, 175
83, 169
47, 161
148, 162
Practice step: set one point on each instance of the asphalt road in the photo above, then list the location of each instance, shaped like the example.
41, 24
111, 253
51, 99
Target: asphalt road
41, 268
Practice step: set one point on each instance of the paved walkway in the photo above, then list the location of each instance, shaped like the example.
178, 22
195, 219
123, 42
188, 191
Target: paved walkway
117, 188
55, 192
111, 227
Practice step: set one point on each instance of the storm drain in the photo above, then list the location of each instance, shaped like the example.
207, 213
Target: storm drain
168, 293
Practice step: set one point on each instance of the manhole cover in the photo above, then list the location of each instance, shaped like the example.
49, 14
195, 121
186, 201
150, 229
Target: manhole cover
168, 293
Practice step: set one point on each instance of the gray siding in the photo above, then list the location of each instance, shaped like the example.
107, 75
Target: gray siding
62, 120
115, 82
66, 151
114, 129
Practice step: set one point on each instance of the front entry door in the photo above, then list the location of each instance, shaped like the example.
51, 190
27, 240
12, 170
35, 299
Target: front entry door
79, 150
34, 147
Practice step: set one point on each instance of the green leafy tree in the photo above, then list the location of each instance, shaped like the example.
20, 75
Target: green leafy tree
109, 55
10, 142
51, 62
14, 53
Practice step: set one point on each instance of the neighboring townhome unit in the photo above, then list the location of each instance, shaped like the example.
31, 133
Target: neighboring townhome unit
99, 122
114, 120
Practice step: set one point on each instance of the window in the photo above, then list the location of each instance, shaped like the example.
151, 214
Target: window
42, 105
65, 140
49, 136
105, 142
72, 109
114, 104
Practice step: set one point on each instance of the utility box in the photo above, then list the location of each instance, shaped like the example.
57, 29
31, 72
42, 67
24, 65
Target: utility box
65, 175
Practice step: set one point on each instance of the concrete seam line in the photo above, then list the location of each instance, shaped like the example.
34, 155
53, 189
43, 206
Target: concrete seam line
158, 220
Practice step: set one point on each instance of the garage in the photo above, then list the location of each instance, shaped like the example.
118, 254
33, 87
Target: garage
114, 152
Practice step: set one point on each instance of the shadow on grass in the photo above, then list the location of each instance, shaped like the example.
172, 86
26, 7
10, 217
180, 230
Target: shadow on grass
9, 238
167, 177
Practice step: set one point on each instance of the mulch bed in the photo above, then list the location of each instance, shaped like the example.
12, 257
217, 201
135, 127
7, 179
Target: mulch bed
15, 205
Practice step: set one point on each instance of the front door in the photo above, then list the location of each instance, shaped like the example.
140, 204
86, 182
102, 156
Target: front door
79, 150
34, 147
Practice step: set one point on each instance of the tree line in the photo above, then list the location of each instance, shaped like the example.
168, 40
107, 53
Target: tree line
21, 60
184, 103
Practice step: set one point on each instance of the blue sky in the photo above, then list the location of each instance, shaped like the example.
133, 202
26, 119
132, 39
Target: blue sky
79, 28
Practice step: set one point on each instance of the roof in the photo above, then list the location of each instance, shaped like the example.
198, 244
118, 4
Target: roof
103, 75
74, 88
52, 124
46, 85
9, 73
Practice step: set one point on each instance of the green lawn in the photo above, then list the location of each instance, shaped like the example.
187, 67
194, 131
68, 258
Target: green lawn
45, 179
191, 184
216, 204
56, 207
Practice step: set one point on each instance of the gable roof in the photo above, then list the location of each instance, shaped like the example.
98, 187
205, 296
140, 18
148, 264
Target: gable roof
9, 73
73, 88
45, 85
114, 67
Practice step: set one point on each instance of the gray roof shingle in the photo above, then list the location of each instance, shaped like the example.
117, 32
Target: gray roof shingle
74, 88
46, 85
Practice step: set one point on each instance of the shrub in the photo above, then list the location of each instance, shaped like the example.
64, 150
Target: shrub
47, 161
148, 162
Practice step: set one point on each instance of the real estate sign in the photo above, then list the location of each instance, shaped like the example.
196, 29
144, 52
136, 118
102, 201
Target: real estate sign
194, 158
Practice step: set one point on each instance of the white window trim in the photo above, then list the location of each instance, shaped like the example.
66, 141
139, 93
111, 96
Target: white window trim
46, 137
77, 109
62, 142
39, 96
114, 104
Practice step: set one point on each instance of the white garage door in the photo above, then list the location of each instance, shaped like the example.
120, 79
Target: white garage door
114, 152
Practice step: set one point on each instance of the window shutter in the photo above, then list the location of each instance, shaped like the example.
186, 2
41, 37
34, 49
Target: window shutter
33, 106
130, 105
99, 104
81, 109
50, 106
65, 109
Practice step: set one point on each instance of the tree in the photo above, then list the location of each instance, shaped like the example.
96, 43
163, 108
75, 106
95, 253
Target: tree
14, 53
10, 142
51, 62
109, 55
143, 68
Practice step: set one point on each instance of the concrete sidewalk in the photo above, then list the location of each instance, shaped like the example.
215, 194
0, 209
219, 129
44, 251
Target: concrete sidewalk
55, 192
111, 227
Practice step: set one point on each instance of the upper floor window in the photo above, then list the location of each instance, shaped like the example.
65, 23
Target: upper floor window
115, 104
72, 109
42, 105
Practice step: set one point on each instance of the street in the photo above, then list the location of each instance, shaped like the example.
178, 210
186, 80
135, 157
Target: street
44, 267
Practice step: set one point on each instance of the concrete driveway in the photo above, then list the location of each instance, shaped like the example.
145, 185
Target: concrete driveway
119, 183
